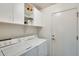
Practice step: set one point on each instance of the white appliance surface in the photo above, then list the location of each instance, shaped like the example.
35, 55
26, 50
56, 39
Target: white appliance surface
1, 53
15, 49
8, 42
18, 46
34, 43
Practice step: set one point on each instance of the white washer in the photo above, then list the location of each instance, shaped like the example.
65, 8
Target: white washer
1, 53
14, 50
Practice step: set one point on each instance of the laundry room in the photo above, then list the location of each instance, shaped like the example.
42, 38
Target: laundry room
39, 29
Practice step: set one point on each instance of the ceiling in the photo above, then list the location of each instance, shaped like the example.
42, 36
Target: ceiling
41, 6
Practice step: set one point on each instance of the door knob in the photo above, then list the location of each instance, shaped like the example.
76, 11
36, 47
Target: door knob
53, 38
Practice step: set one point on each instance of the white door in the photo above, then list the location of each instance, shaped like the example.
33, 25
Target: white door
78, 35
18, 13
6, 12
64, 32
37, 17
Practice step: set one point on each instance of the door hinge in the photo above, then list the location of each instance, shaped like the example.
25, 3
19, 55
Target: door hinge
77, 14
77, 37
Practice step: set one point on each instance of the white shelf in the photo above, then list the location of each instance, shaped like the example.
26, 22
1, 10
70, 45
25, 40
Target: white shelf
20, 24
32, 25
28, 16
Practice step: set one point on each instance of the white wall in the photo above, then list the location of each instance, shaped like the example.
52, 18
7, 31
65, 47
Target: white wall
12, 31
46, 18
30, 30
7, 30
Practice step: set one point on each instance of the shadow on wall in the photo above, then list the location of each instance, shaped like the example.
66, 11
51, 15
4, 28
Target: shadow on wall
12, 31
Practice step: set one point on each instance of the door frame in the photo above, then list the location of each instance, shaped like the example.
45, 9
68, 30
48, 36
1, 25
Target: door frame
52, 42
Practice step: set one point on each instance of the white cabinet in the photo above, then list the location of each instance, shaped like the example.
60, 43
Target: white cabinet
37, 17
6, 12
18, 13
12, 13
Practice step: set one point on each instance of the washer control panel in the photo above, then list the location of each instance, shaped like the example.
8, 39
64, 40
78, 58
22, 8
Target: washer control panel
8, 42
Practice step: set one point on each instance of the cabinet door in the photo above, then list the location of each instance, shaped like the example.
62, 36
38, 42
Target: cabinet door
37, 17
6, 12
42, 49
32, 52
19, 13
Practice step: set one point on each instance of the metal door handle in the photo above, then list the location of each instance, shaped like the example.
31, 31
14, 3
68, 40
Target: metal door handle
53, 38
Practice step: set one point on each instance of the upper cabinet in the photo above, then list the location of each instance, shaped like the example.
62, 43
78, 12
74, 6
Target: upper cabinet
6, 12
12, 13
18, 11
32, 15
37, 17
